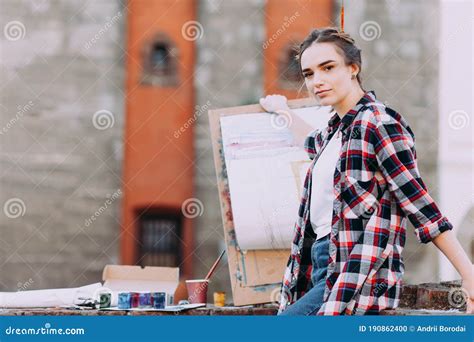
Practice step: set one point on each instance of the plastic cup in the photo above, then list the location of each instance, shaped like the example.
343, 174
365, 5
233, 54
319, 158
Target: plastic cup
197, 290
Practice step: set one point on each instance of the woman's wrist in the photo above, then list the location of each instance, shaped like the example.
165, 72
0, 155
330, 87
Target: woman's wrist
283, 110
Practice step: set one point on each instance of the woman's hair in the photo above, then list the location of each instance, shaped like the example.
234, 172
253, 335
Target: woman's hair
343, 42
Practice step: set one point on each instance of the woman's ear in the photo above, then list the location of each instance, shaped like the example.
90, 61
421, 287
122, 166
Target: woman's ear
355, 69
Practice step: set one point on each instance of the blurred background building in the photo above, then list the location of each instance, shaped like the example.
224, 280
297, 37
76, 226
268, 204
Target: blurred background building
105, 149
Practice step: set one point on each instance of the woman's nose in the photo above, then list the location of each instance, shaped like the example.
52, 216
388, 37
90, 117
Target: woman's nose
317, 83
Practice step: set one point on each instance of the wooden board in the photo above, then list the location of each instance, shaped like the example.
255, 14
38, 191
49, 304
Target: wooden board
255, 275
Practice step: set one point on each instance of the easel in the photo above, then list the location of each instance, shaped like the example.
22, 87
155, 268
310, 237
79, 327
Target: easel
255, 275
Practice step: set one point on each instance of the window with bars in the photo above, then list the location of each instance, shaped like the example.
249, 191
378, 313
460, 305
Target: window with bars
160, 240
289, 69
159, 58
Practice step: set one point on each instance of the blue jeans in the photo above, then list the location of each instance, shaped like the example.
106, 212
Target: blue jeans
312, 301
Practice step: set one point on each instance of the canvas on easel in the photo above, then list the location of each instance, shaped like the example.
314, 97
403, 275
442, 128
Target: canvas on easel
260, 171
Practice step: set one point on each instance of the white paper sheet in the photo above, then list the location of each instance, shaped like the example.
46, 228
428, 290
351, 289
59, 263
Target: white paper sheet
48, 298
265, 171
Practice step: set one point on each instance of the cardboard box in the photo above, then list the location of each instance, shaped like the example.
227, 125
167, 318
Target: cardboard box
125, 278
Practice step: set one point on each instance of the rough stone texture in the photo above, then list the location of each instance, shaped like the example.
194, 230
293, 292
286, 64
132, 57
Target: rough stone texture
408, 297
228, 73
439, 296
51, 156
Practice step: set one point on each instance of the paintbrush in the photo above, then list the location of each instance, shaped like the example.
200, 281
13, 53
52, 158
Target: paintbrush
214, 266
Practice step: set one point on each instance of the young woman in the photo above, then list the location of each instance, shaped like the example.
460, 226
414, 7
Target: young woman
361, 188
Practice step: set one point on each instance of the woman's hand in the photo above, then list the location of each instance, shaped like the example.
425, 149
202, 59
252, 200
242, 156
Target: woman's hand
451, 247
275, 104
298, 127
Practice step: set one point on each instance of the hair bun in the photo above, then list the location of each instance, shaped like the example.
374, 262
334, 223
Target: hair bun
343, 36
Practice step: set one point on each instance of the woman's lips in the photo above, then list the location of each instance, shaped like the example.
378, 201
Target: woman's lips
323, 92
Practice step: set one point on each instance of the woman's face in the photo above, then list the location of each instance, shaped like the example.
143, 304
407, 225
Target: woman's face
326, 75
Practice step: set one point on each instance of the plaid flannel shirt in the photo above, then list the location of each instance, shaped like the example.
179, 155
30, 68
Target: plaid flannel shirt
377, 187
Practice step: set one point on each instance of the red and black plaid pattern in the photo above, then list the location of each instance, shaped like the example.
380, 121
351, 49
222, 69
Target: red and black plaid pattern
377, 187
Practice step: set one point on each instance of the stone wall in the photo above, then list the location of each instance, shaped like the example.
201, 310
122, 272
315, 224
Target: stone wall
60, 143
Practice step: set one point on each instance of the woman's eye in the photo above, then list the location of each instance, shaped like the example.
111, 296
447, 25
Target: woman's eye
328, 68
306, 75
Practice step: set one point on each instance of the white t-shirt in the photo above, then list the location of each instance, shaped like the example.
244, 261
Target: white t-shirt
322, 187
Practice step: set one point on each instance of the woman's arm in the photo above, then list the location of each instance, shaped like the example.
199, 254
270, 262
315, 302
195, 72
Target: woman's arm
450, 246
392, 144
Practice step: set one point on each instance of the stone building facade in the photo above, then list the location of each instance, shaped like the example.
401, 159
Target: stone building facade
62, 102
